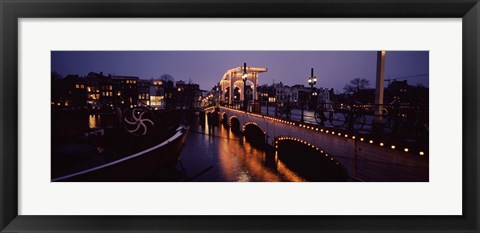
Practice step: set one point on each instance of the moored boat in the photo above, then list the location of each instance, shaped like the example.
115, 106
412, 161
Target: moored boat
138, 166
138, 150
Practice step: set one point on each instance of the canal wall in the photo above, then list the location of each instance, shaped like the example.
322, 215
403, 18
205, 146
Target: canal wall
363, 158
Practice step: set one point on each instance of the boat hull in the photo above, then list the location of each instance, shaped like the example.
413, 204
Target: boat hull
141, 166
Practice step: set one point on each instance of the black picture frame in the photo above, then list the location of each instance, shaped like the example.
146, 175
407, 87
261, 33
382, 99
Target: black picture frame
11, 11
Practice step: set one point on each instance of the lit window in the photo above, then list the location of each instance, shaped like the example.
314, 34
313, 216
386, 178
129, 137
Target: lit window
77, 86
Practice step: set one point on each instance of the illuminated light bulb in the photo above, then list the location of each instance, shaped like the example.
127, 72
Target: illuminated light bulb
326, 131
371, 141
393, 147
317, 129
333, 132
331, 159
321, 130
406, 149
421, 153
346, 135
361, 139
353, 137
339, 134
321, 151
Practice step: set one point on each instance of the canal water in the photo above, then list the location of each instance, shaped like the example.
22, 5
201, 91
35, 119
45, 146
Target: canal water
223, 155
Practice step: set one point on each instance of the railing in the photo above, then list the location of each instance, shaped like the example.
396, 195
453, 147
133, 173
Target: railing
396, 120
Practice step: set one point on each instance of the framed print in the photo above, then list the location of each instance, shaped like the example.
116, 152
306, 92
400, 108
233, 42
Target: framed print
239, 116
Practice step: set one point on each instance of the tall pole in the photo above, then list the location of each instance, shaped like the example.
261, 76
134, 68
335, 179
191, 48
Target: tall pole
244, 77
311, 83
312, 80
379, 87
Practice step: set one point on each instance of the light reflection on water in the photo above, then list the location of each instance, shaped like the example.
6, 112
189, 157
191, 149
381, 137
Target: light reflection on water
94, 121
230, 157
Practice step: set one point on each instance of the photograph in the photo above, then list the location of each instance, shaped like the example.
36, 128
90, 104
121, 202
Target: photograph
240, 116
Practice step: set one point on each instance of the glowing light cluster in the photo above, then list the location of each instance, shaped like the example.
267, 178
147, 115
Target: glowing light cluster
279, 120
362, 139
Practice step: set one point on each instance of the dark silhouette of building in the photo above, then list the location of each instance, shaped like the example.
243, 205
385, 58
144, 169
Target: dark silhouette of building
125, 89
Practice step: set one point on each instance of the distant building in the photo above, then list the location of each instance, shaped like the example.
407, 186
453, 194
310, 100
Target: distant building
143, 90
69, 91
99, 92
187, 94
125, 89
157, 93
93, 84
282, 93
263, 93
300, 94
324, 95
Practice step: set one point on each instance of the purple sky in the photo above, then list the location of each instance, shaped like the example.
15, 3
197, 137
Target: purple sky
333, 69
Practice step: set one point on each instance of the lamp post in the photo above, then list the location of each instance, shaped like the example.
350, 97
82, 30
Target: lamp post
312, 80
244, 78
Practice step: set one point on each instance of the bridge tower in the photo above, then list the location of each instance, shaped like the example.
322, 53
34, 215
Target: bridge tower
232, 79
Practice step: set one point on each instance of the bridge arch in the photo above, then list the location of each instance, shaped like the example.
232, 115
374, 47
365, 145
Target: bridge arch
291, 149
251, 123
234, 123
224, 118
254, 133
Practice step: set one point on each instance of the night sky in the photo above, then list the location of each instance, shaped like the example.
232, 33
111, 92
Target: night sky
333, 69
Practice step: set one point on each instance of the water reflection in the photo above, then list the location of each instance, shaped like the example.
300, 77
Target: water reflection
94, 121
231, 158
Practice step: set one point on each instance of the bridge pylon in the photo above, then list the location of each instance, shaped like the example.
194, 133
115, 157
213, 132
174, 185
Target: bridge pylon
232, 82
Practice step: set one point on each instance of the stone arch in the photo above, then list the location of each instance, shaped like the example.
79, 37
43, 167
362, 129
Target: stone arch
234, 123
254, 134
224, 118
290, 148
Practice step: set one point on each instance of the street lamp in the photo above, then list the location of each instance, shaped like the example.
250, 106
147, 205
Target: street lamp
244, 78
312, 80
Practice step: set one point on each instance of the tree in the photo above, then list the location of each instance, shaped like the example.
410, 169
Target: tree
356, 85
167, 77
